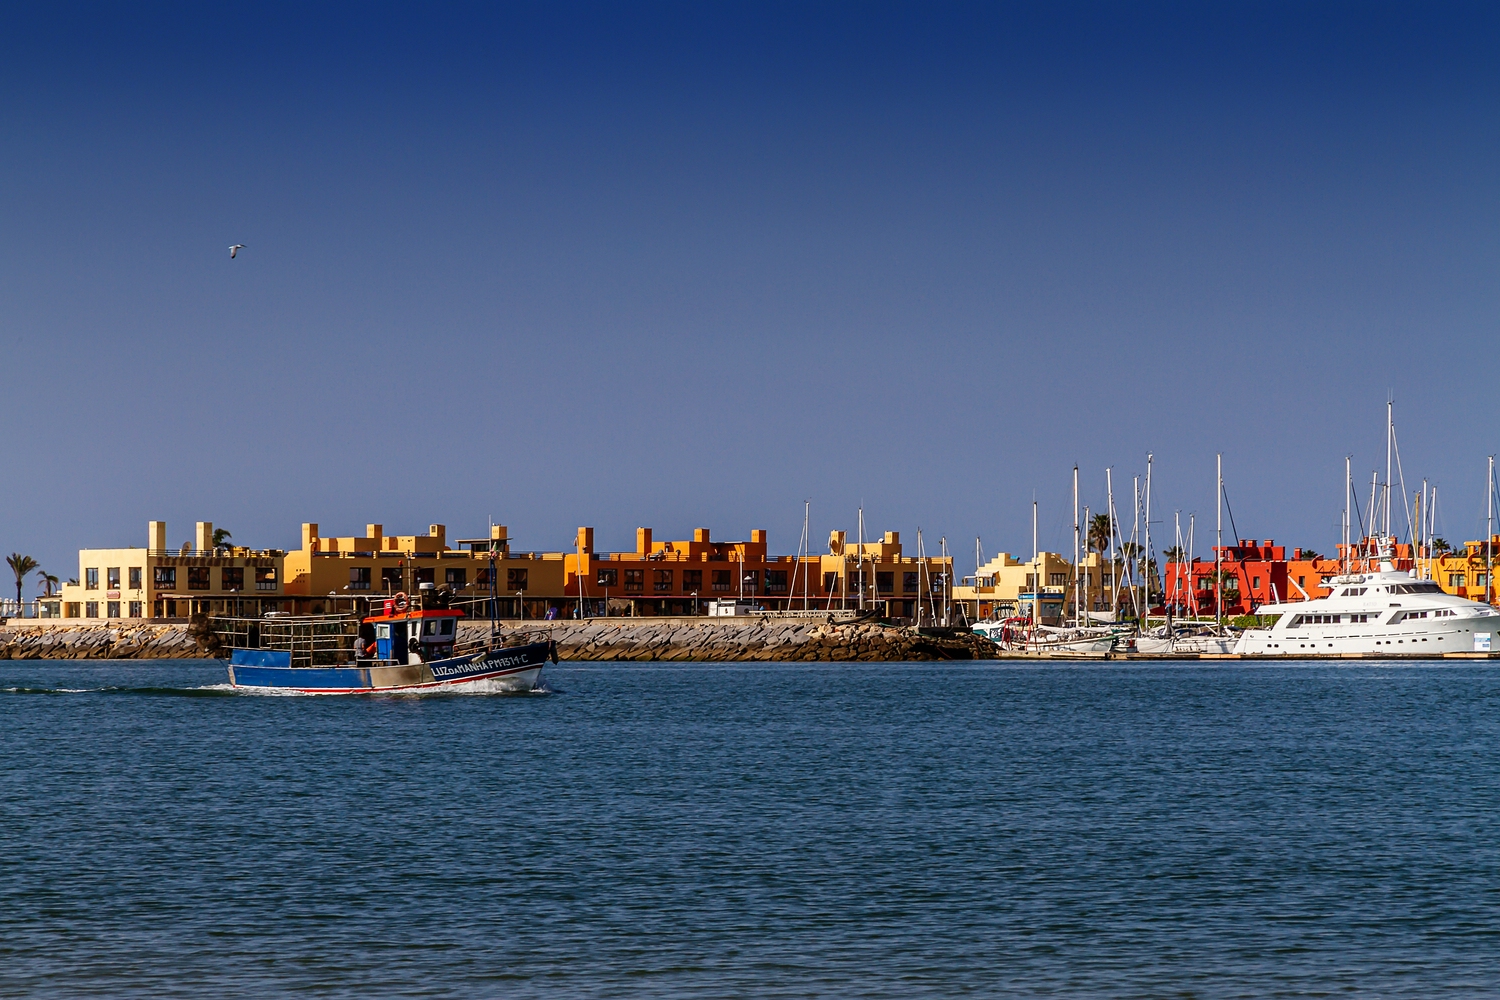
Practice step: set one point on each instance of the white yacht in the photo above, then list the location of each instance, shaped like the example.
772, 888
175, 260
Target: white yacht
1389, 612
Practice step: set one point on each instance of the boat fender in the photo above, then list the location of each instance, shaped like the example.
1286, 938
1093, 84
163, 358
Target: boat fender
552, 644
400, 601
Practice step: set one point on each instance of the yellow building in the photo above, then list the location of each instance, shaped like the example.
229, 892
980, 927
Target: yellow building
1463, 573
1005, 587
338, 573
161, 583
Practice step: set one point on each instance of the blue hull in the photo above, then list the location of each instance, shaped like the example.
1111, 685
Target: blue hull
513, 668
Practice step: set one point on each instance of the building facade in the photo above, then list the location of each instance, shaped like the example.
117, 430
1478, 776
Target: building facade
157, 582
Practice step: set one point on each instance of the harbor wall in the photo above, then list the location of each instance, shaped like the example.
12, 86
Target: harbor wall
603, 639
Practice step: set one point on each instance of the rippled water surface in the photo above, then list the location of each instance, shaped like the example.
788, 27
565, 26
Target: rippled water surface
760, 830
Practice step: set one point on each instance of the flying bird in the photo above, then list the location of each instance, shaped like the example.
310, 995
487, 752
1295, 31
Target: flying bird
235, 249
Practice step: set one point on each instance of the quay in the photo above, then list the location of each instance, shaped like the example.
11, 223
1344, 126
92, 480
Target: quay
666, 639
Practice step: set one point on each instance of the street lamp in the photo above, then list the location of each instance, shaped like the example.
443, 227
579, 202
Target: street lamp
695, 603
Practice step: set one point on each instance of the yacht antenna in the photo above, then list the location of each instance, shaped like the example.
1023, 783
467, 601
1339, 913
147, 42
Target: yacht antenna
1219, 549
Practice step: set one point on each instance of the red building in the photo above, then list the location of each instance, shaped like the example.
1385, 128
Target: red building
1256, 574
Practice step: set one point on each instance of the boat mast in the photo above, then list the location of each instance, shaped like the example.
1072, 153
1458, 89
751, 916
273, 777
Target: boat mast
1349, 508
1077, 597
1219, 549
1489, 531
1114, 582
861, 557
1146, 579
1036, 575
976, 577
921, 564
1386, 520
1135, 549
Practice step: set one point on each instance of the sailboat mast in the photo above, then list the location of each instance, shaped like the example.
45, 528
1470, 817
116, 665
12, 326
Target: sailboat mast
1077, 596
1219, 547
1389, 430
1146, 579
976, 577
1349, 508
1114, 583
1489, 532
1036, 573
861, 557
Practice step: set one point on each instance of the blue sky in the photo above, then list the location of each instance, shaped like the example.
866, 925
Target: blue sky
683, 265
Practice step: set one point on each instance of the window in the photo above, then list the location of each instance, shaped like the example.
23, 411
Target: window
1108, 580
885, 583
830, 583
392, 579
135, 579
661, 581
91, 609
776, 581
692, 580
198, 578
165, 577
91, 579
1455, 579
458, 579
908, 582
135, 609
1301, 581
112, 609
112, 579
635, 580
265, 578
1057, 579
359, 578
515, 579
1353, 591
70, 609
482, 579
752, 581
232, 578
426, 574
607, 577
1255, 583
723, 580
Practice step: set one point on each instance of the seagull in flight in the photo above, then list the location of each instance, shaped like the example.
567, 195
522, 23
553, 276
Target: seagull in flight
235, 249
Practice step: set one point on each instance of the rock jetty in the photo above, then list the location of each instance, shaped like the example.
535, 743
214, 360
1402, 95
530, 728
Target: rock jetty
96, 641
621, 639
747, 639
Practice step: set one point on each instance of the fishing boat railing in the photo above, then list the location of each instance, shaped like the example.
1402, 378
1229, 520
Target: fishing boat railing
312, 640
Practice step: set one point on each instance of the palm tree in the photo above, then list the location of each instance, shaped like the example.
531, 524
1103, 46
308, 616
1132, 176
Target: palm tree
1441, 546
20, 565
1099, 532
221, 537
1173, 554
48, 581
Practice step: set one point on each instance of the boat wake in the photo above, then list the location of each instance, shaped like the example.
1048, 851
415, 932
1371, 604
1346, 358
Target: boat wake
209, 691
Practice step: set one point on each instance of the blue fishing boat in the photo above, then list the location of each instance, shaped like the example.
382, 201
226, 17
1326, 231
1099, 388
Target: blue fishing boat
412, 647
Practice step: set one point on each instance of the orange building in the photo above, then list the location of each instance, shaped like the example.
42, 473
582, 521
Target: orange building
1256, 574
680, 577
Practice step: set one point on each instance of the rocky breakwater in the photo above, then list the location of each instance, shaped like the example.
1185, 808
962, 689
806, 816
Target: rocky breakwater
748, 639
93, 640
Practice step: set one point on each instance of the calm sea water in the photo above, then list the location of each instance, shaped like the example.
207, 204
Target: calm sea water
759, 831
